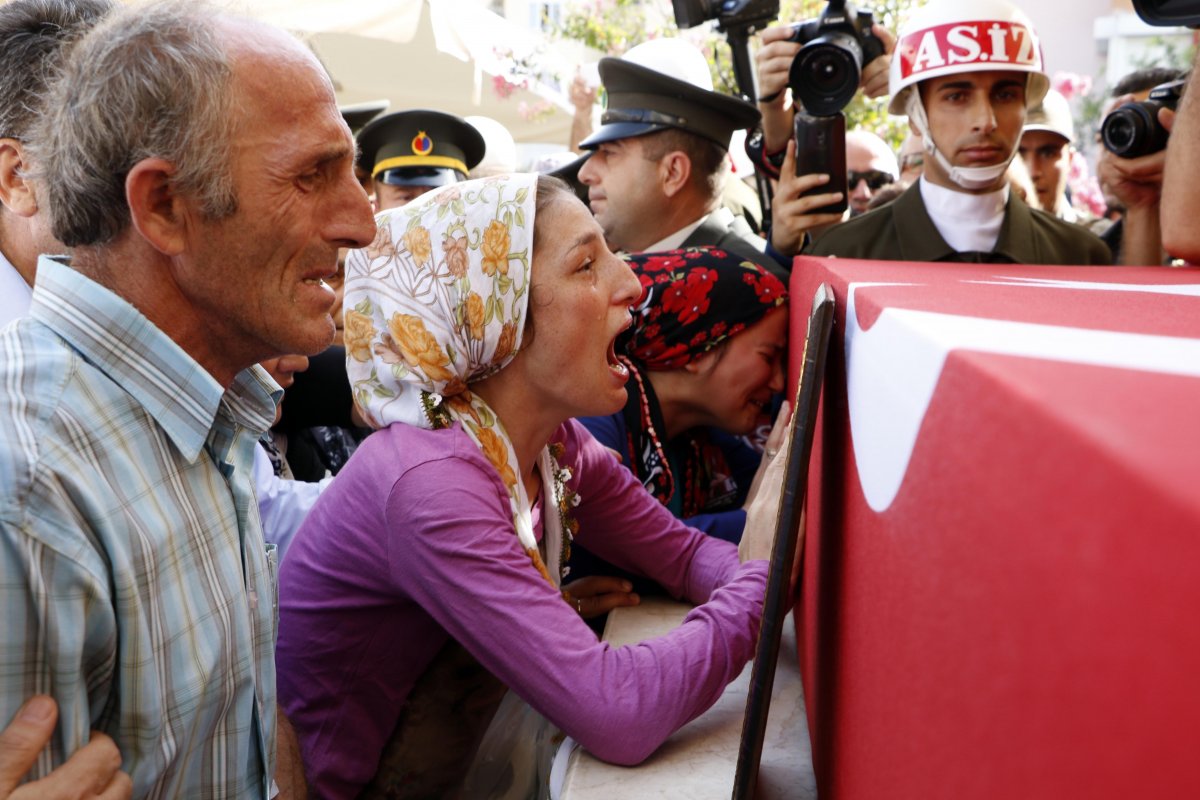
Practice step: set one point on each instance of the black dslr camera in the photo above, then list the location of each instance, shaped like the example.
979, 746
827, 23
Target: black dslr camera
729, 14
837, 45
1134, 130
1169, 12
824, 77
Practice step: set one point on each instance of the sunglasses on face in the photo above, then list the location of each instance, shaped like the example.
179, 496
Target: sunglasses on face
876, 178
912, 160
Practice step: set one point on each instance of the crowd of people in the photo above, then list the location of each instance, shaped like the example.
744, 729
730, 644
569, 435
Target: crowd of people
515, 401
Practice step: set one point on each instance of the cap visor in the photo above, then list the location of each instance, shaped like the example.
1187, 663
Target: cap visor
423, 177
619, 130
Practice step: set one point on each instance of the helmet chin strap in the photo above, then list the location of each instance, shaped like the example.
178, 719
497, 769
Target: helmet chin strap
969, 178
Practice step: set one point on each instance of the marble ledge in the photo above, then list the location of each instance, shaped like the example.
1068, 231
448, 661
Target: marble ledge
699, 761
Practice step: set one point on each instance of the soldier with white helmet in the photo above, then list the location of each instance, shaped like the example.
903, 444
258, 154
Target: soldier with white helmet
965, 71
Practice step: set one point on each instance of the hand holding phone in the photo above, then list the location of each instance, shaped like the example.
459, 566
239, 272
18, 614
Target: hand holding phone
821, 148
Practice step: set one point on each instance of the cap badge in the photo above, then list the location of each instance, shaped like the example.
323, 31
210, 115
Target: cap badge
422, 145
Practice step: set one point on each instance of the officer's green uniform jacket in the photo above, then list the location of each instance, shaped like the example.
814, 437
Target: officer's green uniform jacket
903, 231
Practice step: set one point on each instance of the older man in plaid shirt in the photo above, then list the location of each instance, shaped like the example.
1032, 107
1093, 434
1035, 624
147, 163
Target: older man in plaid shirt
200, 169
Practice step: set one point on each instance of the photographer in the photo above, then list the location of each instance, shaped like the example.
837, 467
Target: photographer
965, 73
795, 212
1132, 181
1137, 183
774, 60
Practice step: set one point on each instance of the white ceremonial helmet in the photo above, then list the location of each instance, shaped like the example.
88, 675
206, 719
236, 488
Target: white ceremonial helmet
951, 37
948, 37
676, 58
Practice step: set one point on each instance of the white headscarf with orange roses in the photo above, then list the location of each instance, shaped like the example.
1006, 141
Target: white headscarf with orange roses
437, 302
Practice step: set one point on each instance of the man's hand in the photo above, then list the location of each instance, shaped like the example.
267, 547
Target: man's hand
289, 767
772, 62
874, 81
583, 95
1136, 182
599, 594
791, 214
93, 771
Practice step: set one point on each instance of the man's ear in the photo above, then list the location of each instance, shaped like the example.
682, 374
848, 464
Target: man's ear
674, 170
16, 192
158, 214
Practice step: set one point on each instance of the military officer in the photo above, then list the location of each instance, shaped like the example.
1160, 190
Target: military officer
410, 152
660, 156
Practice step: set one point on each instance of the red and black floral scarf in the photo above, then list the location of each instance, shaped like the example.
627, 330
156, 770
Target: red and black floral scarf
692, 300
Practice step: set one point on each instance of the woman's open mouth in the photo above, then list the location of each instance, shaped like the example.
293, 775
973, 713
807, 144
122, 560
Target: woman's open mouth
613, 363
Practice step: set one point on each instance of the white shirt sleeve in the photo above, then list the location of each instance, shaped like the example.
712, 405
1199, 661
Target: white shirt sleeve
282, 504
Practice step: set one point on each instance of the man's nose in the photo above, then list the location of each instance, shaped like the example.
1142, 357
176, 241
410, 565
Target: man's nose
984, 116
587, 172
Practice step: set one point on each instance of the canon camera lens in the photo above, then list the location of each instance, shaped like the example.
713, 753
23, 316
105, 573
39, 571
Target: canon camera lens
1133, 130
825, 73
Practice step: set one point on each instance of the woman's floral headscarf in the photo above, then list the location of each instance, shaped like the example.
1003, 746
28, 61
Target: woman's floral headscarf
439, 301
692, 300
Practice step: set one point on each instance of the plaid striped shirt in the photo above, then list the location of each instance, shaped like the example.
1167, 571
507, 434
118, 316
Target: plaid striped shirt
134, 581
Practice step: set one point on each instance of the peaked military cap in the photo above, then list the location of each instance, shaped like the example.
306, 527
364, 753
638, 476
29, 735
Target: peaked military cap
642, 100
419, 148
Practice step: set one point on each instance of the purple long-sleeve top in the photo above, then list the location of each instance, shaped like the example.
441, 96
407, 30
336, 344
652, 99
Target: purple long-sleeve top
414, 543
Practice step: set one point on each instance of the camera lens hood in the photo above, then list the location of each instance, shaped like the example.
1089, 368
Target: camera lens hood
1133, 130
825, 73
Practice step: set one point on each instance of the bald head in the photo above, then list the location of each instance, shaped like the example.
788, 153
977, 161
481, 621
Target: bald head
871, 165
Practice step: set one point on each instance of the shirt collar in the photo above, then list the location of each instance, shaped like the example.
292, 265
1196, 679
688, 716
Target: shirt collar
14, 292
967, 222
181, 396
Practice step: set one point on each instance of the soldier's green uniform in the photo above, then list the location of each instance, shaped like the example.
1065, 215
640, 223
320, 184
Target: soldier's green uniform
903, 231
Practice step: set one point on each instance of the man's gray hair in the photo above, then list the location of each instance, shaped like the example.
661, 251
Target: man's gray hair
151, 81
33, 34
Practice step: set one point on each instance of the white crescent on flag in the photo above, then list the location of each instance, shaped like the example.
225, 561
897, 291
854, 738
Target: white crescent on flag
893, 367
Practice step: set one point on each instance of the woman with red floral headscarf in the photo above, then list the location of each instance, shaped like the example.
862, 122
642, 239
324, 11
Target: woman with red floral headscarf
705, 356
